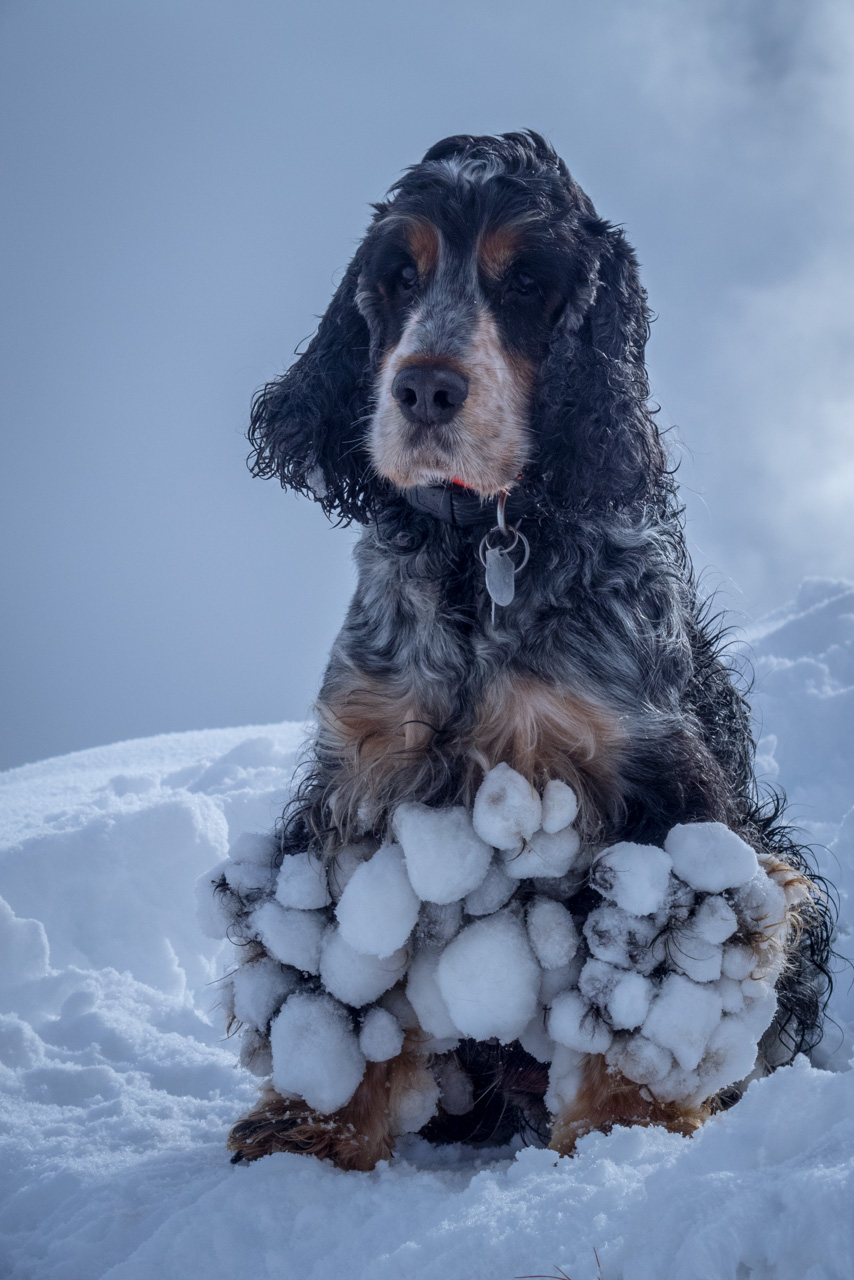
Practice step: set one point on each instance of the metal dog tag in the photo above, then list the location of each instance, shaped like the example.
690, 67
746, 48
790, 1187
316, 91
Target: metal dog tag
500, 574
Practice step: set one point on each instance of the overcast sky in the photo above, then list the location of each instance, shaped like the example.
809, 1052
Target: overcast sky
184, 182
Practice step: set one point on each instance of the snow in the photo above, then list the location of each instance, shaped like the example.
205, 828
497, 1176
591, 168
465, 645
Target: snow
445, 857
710, 857
292, 936
381, 1036
682, 1018
544, 855
574, 1023
302, 882
354, 977
117, 1087
491, 895
316, 1055
378, 909
489, 979
560, 806
552, 933
635, 876
507, 809
422, 990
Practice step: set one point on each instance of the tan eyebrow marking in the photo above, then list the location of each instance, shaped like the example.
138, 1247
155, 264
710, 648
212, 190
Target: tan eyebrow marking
496, 249
423, 240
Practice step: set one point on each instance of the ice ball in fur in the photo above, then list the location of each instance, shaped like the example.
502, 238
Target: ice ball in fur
315, 1052
507, 809
445, 857
378, 909
489, 979
710, 856
560, 806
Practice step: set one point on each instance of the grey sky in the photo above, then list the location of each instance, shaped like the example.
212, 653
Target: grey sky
184, 183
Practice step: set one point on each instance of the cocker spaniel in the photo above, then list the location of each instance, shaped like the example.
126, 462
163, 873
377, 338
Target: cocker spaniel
476, 399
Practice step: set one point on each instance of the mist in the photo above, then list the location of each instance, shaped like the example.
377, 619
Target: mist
186, 182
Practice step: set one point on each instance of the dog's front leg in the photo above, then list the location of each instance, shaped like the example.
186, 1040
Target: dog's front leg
355, 1137
605, 1098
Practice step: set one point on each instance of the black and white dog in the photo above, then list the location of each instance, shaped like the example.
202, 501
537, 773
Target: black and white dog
481, 369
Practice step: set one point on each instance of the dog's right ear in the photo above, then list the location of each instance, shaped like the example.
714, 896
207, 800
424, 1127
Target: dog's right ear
307, 427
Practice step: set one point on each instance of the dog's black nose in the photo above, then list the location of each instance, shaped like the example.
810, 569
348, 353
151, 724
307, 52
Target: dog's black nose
429, 394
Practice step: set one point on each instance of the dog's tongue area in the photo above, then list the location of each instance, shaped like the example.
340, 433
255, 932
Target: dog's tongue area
117, 1090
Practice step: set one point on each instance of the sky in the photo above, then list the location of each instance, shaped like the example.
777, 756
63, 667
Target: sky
186, 180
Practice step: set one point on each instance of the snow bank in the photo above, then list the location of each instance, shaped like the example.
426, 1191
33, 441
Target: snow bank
117, 1089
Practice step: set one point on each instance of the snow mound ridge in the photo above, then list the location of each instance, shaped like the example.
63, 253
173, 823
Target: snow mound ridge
464, 924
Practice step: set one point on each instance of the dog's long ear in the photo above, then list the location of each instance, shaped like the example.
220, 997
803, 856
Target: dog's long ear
619, 318
307, 427
599, 439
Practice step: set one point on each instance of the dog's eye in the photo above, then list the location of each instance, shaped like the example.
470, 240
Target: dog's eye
408, 278
521, 284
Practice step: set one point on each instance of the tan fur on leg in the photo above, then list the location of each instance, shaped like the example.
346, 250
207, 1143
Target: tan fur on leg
356, 1136
606, 1098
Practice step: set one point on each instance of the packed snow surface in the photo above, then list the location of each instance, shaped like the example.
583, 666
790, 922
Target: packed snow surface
118, 1087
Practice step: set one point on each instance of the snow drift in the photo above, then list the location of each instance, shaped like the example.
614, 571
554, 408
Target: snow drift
117, 1087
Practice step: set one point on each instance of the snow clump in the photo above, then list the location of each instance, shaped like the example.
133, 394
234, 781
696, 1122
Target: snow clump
468, 925
507, 809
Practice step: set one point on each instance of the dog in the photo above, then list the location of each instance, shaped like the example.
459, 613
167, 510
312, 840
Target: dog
478, 379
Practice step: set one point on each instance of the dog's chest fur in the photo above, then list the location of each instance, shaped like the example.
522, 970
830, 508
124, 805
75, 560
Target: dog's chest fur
423, 692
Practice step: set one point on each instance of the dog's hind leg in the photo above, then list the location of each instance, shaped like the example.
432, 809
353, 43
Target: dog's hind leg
355, 1137
605, 1098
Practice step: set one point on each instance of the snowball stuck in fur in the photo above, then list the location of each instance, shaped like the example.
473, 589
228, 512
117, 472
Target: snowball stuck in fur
315, 1052
560, 806
302, 882
291, 936
572, 1022
381, 1036
543, 855
761, 904
714, 920
378, 909
682, 1018
552, 934
417, 1104
445, 858
507, 809
489, 979
565, 1076
353, 977
423, 993
342, 866
496, 889
709, 856
620, 994
259, 988
730, 1055
690, 953
635, 876
621, 939
639, 1059
738, 961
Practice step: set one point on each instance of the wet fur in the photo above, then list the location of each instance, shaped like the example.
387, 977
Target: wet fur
607, 669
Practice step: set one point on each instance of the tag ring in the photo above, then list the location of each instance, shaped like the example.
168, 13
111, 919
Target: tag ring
517, 538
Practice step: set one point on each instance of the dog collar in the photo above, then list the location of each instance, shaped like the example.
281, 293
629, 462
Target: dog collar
457, 505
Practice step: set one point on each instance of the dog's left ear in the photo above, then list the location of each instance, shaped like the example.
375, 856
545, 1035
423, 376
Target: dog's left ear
307, 427
619, 317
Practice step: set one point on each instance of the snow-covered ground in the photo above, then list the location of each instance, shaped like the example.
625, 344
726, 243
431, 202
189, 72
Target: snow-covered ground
117, 1088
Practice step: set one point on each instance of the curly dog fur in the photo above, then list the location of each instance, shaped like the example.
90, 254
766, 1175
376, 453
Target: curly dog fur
489, 334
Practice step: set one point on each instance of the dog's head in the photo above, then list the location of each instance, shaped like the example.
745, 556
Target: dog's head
490, 329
